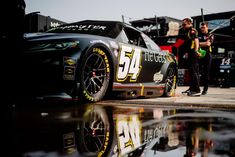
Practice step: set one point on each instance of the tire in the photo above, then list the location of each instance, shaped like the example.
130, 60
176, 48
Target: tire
94, 75
96, 134
170, 82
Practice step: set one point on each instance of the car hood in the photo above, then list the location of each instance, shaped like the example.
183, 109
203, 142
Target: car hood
60, 41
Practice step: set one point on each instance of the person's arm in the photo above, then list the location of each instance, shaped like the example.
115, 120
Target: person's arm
196, 48
208, 42
196, 41
205, 44
194, 37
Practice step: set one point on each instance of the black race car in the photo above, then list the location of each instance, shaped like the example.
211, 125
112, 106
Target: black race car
89, 59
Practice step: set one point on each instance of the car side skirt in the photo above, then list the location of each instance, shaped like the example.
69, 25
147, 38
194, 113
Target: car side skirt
137, 90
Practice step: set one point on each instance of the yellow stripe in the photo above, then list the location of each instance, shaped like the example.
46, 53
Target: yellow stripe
142, 89
192, 46
210, 49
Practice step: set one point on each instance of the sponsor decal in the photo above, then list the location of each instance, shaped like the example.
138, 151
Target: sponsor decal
54, 24
129, 63
69, 61
102, 53
128, 132
87, 96
69, 73
158, 77
69, 68
106, 142
91, 27
81, 27
154, 57
156, 132
69, 143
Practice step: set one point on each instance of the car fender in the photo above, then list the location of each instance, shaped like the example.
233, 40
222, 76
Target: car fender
166, 66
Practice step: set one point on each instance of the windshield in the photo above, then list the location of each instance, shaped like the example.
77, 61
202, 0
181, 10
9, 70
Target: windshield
101, 28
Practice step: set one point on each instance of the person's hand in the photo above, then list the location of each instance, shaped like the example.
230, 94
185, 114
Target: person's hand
199, 54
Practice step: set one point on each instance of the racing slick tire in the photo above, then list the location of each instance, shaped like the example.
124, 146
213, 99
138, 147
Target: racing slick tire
170, 82
96, 135
94, 75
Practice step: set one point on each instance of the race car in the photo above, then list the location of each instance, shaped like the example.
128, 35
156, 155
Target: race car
90, 59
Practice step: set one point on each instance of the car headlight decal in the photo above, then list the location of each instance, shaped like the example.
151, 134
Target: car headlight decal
54, 46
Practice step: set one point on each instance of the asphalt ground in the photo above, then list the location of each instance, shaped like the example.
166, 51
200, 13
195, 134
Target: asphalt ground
216, 98
38, 129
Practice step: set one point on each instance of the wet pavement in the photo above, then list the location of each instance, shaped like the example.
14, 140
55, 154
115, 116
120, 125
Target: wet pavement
180, 126
216, 98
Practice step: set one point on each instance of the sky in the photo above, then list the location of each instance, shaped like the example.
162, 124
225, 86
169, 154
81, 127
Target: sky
77, 10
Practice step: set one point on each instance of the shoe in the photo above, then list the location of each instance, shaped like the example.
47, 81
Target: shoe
186, 92
204, 92
194, 93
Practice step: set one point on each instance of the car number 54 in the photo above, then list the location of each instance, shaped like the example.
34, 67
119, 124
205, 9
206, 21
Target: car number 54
129, 63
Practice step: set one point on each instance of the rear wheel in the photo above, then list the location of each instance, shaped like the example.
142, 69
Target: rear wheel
170, 83
94, 75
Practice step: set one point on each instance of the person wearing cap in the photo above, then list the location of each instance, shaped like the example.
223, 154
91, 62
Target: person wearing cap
191, 45
205, 41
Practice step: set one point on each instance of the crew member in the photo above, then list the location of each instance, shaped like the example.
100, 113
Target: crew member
205, 41
191, 45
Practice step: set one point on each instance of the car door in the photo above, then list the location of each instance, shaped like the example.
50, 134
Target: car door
137, 61
154, 59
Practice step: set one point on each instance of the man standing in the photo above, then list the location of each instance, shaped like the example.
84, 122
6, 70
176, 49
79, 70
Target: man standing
191, 45
205, 41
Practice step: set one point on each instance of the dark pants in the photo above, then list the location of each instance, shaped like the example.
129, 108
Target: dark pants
193, 71
205, 65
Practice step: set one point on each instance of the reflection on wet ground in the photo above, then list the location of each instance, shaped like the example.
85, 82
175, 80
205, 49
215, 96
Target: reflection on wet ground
70, 129
195, 133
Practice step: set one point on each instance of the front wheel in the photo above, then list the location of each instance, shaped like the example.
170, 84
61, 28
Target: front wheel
170, 82
94, 75
96, 133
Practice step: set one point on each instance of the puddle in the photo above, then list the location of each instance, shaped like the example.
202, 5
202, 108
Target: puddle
94, 130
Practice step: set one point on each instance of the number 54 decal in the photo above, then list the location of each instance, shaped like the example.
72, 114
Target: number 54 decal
129, 63
128, 132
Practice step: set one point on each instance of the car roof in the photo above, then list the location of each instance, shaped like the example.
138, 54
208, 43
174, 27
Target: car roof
123, 24
96, 21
